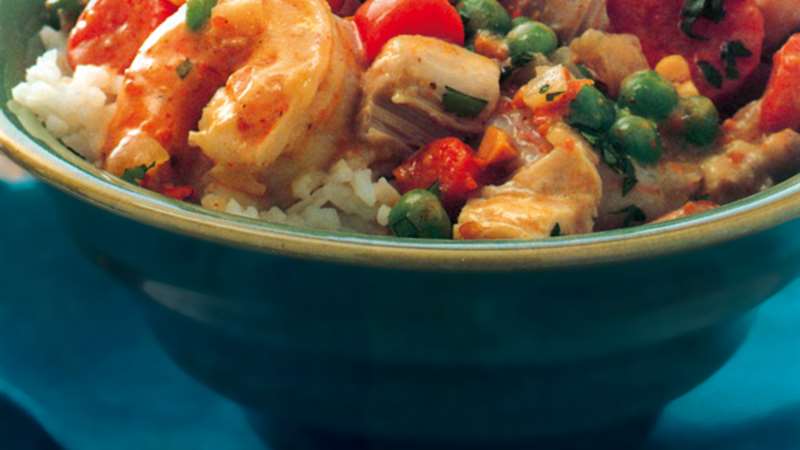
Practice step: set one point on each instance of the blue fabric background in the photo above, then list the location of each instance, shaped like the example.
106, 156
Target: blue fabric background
78, 363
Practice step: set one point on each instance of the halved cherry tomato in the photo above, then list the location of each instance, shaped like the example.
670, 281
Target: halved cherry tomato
110, 32
657, 24
379, 21
449, 162
781, 106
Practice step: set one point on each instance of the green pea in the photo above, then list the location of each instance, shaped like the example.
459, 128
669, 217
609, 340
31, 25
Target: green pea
484, 15
700, 120
648, 94
519, 21
592, 111
530, 38
420, 214
637, 137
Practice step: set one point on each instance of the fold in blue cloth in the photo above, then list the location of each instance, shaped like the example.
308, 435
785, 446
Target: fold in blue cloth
76, 357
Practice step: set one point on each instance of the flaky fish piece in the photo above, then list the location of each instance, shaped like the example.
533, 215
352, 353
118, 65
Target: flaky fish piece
559, 193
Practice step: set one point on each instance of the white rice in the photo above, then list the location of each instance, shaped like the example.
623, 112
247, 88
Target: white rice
77, 107
346, 198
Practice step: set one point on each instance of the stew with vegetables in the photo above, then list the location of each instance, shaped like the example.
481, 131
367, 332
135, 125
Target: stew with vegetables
432, 119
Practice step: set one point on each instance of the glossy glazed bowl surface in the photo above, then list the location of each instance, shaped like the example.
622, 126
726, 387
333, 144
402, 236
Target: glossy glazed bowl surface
420, 340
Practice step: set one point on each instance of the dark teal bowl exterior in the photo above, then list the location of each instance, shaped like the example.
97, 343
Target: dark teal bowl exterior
440, 356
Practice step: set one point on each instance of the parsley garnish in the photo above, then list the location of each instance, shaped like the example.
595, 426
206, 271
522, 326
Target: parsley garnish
461, 104
584, 72
198, 12
553, 95
633, 216
713, 10
436, 189
135, 175
616, 160
545, 87
730, 52
184, 68
556, 231
713, 76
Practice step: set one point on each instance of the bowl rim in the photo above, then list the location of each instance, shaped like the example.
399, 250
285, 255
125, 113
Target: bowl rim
77, 177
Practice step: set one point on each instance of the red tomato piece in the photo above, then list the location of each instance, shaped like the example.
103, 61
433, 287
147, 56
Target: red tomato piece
110, 32
780, 108
657, 24
178, 192
449, 162
378, 21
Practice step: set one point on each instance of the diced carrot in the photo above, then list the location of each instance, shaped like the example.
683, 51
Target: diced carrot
496, 147
490, 46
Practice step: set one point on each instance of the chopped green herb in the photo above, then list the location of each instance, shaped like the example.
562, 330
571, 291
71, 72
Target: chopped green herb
461, 104
615, 159
711, 73
713, 10
730, 52
436, 189
198, 12
585, 72
556, 231
633, 216
135, 175
553, 95
184, 68
545, 87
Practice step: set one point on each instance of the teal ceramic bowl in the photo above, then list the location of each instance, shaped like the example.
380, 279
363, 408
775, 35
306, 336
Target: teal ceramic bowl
451, 343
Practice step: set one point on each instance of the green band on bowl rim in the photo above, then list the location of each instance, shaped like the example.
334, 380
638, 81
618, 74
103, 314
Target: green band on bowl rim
72, 175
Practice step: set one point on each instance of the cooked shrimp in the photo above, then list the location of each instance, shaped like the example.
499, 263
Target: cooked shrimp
289, 109
172, 78
272, 82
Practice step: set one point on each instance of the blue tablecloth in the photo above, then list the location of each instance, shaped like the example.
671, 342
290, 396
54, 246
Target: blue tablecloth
78, 359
